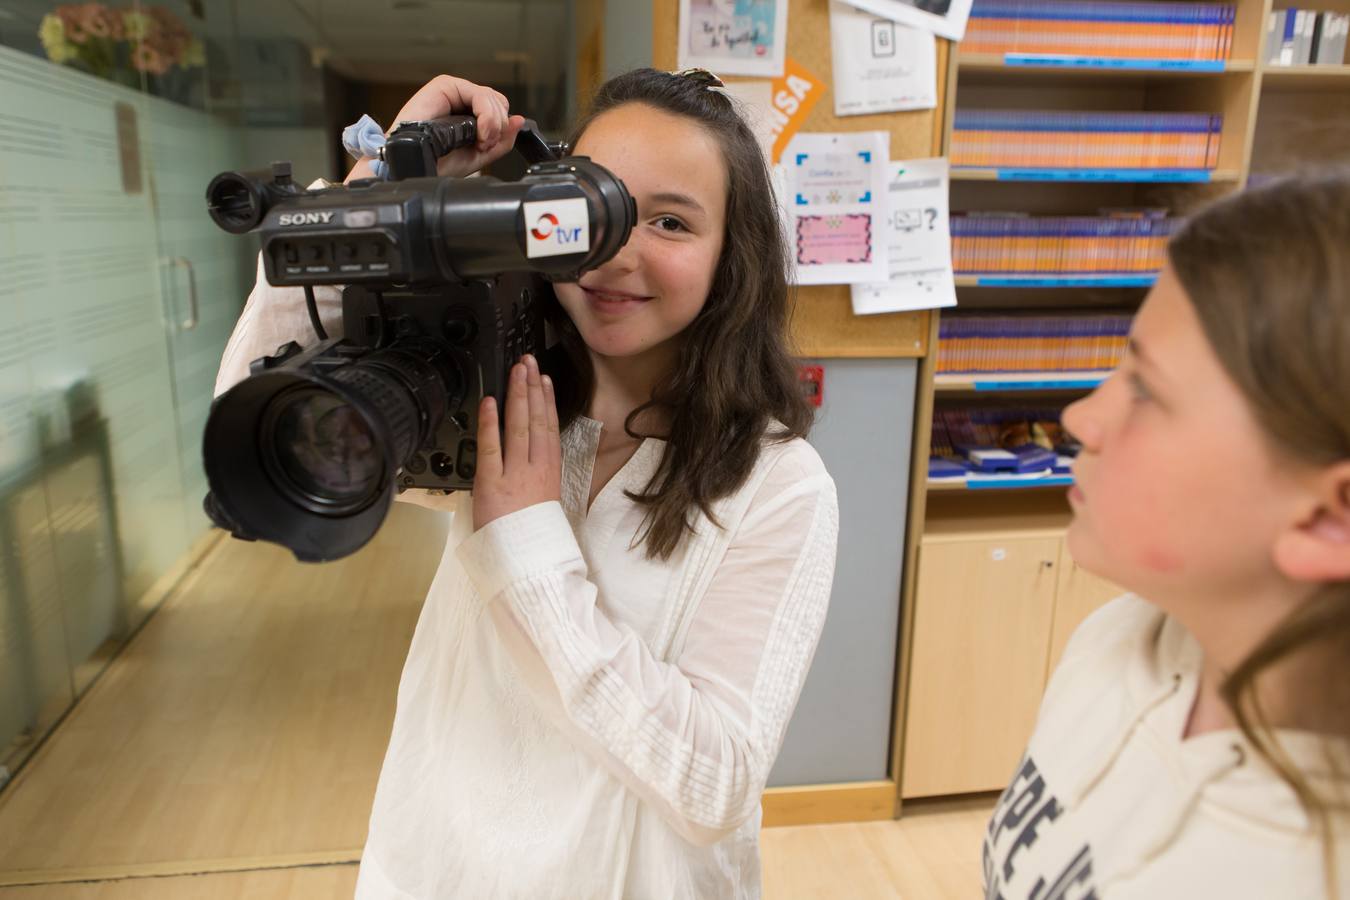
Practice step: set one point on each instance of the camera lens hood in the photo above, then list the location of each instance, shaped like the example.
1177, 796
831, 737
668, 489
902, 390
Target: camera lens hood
271, 488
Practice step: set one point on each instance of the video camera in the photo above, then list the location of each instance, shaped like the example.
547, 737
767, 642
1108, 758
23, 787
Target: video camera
445, 279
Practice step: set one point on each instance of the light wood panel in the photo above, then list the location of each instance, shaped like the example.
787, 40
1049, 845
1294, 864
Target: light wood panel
261, 707
270, 884
933, 852
915, 523
981, 634
1078, 594
862, 801
823, 324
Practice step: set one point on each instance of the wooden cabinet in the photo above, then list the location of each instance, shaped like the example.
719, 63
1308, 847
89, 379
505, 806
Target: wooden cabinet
993, 613
1077, 594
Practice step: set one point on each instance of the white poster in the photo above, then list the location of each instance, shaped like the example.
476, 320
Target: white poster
919, 242
733, 37
880, 65
945, 18
835, 193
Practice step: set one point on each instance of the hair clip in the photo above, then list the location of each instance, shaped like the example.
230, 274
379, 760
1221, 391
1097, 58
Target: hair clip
704, 77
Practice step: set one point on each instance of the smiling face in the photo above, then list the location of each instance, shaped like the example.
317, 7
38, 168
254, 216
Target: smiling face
1178, 492
638, 303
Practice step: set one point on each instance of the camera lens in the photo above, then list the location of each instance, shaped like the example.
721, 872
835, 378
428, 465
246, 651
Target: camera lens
306, 456
324, 452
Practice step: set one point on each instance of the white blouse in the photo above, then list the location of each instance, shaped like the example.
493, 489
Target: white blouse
574, 719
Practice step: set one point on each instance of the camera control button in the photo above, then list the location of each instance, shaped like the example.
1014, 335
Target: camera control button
359, 218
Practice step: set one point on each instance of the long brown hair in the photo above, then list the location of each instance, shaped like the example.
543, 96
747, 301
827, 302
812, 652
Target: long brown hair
734, 382
1268, 272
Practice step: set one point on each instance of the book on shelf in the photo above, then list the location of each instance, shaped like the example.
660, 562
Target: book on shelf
970, 442
1122, 242
989, 344
1302, 37
984, 426
1094, 28
1105, 140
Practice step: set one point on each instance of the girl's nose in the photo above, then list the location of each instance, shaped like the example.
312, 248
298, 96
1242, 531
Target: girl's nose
626, 260
1080, 420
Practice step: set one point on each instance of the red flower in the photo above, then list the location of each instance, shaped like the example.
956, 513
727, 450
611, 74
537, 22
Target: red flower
145, 58
97, 21
73, 20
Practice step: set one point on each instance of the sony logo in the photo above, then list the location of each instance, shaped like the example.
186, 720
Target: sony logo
313, 218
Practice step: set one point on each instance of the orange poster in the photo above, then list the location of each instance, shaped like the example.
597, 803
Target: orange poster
793, 96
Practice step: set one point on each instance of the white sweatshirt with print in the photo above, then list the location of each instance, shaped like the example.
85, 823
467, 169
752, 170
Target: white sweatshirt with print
1111, 803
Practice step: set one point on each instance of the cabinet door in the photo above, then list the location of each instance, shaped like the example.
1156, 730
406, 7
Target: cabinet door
981, 634
1079, 594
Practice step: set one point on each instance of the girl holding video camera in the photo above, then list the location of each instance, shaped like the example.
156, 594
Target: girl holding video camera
628, 603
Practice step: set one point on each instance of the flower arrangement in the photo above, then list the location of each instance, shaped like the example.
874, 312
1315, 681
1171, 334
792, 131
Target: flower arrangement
110, 42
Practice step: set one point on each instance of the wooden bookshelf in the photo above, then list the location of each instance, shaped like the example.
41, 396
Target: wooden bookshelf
1003, 382
1306, 78
1092, 68
1087, 176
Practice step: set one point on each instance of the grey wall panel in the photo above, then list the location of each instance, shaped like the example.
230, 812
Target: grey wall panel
841, 730
628, 37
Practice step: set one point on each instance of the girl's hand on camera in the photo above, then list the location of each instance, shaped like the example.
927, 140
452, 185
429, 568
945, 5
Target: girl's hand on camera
529, 469
447, 95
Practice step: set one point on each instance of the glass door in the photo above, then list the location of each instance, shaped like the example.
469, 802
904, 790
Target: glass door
116, 298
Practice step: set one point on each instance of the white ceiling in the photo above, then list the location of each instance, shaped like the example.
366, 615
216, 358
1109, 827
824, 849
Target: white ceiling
405, 41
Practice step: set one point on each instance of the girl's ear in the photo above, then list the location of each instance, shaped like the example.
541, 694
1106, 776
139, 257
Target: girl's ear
1317, 549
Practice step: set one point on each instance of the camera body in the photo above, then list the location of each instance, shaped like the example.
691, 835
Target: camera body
446, 281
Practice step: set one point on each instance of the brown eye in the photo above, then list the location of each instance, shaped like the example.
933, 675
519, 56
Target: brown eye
669, 223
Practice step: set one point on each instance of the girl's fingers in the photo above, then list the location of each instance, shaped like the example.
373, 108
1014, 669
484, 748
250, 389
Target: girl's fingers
538, 415
489, 440
489, 108
551, 412
517, 452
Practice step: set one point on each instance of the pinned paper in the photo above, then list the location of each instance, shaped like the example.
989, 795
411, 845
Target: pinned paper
945, 18
836, 207
918, 238
793, 96
776, 109
733, 37
880, 65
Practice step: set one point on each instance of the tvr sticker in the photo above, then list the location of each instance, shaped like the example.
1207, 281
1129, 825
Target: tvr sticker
557, 227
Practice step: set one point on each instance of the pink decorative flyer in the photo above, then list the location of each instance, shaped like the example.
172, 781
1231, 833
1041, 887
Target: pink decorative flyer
834, 239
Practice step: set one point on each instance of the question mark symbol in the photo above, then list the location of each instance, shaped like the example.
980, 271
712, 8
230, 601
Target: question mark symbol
932, 217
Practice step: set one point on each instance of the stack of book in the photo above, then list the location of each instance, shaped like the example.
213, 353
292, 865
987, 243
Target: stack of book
1125, 242
1302, 37
974, 443
1107, 140
1090, 28
1031, 343
995, 427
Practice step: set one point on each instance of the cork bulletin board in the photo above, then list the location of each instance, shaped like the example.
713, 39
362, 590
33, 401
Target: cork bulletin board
823, 322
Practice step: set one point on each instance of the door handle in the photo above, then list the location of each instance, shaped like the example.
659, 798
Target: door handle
182, 262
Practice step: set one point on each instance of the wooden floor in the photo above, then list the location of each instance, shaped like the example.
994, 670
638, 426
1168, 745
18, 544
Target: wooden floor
231, 751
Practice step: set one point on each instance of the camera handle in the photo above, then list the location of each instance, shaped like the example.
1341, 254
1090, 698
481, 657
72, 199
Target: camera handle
414, 147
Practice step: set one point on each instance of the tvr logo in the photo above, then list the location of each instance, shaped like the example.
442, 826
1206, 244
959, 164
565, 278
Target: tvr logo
556, 227
547, 227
